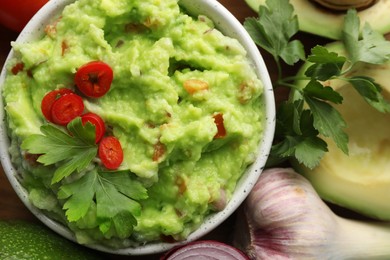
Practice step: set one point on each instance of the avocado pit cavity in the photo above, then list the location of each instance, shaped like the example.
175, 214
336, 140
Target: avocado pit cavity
343, 5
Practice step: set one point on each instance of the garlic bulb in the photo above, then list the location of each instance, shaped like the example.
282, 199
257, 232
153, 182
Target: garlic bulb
284, 218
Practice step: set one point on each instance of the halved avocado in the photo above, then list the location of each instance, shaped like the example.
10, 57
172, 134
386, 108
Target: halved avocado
359, 181
321, 21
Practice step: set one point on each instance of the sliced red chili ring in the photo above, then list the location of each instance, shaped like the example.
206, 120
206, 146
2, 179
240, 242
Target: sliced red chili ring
110, 152
50, 98
67, 108
94, 79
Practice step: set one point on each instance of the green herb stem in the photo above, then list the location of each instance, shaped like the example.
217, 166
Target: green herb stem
273, 31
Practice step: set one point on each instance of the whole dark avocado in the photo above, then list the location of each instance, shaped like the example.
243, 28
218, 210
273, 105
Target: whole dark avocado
32, 241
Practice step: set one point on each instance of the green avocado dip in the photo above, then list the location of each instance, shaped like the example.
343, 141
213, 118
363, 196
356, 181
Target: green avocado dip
174, 74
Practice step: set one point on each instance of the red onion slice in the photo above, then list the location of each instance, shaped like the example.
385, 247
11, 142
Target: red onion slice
206, 249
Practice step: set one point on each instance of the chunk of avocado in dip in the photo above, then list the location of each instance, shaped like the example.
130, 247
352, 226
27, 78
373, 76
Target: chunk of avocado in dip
174, 74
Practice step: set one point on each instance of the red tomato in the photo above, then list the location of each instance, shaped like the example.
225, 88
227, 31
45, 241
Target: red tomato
97, 121
218, 119
110, 152
94, 78
50, 98
14, 14
67, 108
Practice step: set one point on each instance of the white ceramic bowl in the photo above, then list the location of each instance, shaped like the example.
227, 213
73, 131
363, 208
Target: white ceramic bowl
230, 26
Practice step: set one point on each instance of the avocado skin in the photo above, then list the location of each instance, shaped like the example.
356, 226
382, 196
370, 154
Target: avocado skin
21, 240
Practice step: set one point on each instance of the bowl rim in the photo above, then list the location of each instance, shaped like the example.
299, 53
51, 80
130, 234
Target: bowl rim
230, 26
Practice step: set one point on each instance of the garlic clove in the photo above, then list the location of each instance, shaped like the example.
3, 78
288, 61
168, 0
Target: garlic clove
284, 218
280, 222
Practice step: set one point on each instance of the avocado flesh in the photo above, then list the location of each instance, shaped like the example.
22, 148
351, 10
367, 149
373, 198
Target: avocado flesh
359, 181
24, 240
320, 21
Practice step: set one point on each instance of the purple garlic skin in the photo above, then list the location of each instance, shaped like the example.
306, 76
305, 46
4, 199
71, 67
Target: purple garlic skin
284, 218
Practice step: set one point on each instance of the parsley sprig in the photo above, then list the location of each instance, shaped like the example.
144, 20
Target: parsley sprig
72, 151
113, 196
308, 116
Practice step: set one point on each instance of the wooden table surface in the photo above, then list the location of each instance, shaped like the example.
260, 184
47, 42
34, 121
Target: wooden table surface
12, 208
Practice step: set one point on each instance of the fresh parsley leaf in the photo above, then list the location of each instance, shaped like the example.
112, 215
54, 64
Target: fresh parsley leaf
287, 128
326, 64
366, 87
293, 52
321, 55
328, 122
132, 189
78, 162
370, 91
286, 147
317, 90
298, 137
288, 118
116, 195
350, 34
311, 148
273, 30
83, 133
307, 124
79, 195
310, 151
298, 129
366, 46
73, 152
293, 119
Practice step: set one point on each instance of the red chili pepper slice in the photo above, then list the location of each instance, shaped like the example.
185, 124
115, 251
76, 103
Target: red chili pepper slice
94, 79
110, 152
49, 99
218, 119
97, 121
67, 108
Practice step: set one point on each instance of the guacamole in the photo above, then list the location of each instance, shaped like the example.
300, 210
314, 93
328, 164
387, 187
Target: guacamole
174, 75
